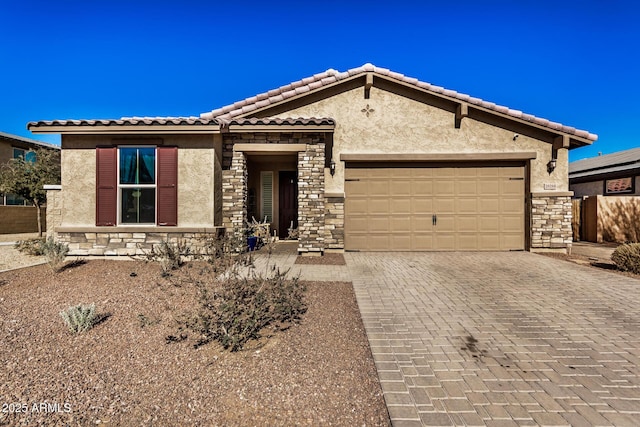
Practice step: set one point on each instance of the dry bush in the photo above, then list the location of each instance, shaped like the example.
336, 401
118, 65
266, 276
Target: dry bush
627, 257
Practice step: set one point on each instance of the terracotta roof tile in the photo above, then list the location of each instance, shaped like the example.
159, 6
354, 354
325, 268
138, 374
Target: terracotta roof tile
128, 121
331, 76
277, 121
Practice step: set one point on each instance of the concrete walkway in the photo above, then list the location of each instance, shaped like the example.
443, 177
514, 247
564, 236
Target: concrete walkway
597, 251
500, 338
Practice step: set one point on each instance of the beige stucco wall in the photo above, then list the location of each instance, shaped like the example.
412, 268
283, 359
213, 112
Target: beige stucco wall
401, 125
196, 164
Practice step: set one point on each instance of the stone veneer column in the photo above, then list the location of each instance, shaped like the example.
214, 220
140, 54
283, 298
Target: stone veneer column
234, 192
54, 209
551, 220
334, 221
311, 207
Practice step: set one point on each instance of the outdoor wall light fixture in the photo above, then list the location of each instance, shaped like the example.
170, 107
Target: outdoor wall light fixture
551, 166
332, 167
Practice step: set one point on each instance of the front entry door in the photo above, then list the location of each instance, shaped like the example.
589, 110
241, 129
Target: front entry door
288, 205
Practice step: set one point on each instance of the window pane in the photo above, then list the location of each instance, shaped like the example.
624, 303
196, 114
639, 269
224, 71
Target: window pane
128, 162
138, 205
146, 165
18, 153
137, 165
30, 156
14, 200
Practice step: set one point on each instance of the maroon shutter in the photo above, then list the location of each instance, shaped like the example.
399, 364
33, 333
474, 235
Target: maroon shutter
106, 186
167, 186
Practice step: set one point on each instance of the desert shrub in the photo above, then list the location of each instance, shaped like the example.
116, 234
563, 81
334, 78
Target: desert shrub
237, 309
79, 318
56, 252
30, 246
627, 257
170, 255
226, 251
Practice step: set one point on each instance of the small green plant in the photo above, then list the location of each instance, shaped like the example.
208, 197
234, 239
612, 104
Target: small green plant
79, 318
56, 253
627, 257
30, 247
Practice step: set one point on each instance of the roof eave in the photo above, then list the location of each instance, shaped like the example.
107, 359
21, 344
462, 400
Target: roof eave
128, 129
576, 141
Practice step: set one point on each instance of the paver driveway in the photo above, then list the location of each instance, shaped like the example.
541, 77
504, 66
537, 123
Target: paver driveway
500, 338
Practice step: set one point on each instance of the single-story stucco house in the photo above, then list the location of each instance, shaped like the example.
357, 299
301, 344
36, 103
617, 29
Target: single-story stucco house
367, 159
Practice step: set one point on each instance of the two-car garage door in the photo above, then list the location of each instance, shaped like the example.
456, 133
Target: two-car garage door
434, 208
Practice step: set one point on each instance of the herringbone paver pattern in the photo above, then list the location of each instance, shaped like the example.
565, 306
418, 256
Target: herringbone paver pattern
500, 339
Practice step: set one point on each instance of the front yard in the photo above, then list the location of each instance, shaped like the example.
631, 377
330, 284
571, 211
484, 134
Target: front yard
125, 372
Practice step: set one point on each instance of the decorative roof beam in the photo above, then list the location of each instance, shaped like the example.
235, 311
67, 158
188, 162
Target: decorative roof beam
462, 110
561, 141
367, 85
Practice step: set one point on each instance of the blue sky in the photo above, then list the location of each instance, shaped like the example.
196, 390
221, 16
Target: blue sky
574, 62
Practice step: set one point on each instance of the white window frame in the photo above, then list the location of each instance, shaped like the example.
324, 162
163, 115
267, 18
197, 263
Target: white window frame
121, 186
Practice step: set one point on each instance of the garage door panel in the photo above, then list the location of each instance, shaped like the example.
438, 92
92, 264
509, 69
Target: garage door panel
467, 242
511, 224
467, 205
400, 224
490, 224
356, 207
378, 205
400, 187
489, 205
378, 242
444, 241
488, 187
444, 205
421, 188
467, 223
489, 242
400, 206
443, 187
510, 187
358, 224
514, 241
477, 208
445, 224
379, 224
466, 187
378, 188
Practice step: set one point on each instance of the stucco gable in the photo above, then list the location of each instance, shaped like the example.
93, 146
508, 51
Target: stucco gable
309, 89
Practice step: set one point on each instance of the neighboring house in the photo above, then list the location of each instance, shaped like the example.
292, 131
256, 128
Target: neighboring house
16, 215
605, 184
12, 147
366, 159
615, 174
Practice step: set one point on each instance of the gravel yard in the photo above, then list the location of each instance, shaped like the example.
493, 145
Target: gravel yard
123, 372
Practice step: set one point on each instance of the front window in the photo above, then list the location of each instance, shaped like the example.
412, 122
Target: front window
28, 156
137, 185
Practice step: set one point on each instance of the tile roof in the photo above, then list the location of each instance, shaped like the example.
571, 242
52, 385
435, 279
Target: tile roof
127, 121
614, 162
331, 76
270, 121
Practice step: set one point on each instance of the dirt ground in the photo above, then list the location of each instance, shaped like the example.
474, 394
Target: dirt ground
123, 371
